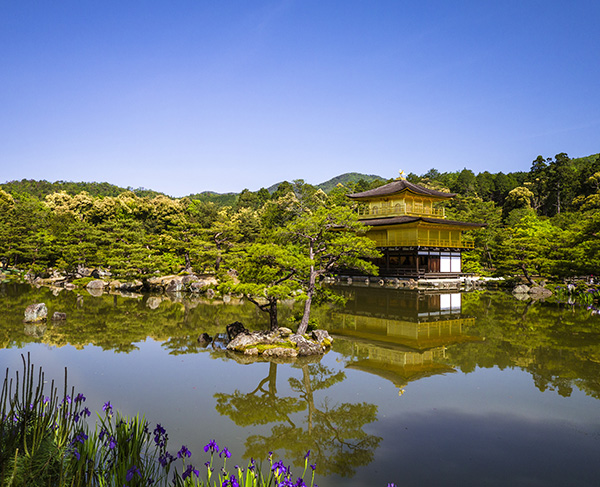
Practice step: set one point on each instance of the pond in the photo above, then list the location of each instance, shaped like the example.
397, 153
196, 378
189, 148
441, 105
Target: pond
471, 389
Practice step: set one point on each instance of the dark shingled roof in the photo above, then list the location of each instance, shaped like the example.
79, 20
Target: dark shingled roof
398, 186
398, 220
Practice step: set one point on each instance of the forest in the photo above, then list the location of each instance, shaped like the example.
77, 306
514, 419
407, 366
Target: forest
543, 223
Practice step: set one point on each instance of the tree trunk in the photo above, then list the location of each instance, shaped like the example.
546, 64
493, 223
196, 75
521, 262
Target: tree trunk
309, 293
309, 397
526, 274
188, 262
273, 314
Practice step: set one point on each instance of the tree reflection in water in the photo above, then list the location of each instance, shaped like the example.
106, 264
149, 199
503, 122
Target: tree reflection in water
332, 432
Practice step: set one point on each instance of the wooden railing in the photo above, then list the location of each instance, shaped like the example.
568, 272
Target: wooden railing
424, 242
400, 210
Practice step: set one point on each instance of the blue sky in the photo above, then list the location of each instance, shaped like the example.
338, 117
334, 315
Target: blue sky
188, 96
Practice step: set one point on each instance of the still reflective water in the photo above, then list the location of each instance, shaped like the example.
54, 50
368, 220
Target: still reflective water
419, 389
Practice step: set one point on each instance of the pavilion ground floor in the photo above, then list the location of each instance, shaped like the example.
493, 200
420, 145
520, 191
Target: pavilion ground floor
419, 262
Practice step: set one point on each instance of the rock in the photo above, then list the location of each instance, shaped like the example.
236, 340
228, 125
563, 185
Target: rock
234, 329
114, 285
196, 287
96, 292
131, 286
306, 347
539, 292
59, 316
69, 286
153, 302
83, 271
155, 284
96, 284
175, 286
79, 301
284, 332
226, 298
187, 280
35, 330
200, 285
204, 339
210, 293
521, 289
280, 352
35, 313
243, 341
322, 337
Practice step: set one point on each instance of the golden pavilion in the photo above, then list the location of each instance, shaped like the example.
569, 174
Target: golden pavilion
411, 232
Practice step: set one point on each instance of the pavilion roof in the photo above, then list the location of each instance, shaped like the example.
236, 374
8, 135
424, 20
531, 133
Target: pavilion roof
398, 186
399, 220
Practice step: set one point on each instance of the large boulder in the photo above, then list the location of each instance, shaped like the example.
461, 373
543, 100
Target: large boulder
234, 329
305, 346
521, 289
153, 302
36, 313
96, 284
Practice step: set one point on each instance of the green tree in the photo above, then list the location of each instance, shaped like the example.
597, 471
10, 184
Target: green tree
328, 240
528, 245
465, 183
266, 275
517, 198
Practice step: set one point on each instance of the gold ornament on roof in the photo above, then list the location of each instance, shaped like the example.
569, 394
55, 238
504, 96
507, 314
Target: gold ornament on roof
401, 175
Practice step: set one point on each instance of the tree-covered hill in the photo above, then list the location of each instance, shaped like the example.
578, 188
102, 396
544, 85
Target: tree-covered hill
220, 199
41, 189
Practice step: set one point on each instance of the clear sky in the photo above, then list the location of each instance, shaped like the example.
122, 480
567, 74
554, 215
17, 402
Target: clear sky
187, 96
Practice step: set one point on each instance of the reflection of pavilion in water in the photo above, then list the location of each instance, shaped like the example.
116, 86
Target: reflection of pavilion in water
401, 335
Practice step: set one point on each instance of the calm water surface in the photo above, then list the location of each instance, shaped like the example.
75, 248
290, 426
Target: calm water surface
420, 389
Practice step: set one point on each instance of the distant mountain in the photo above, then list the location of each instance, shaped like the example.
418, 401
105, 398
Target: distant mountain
349, 177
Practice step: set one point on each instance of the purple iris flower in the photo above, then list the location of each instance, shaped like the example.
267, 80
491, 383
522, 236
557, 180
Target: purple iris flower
107, 408
80, 397
279, 468
189, 471
230, 482
131, 472
212, 446
225, 452
184, 452
165, 459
